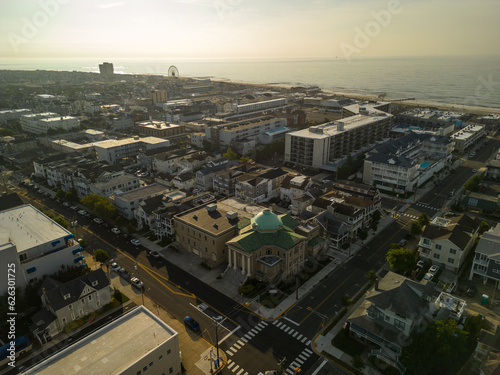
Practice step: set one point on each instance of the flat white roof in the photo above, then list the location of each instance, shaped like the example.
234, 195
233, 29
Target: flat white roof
112, 348
27, 227
58, 118
330, 129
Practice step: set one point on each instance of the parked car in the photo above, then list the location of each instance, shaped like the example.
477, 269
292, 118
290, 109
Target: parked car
124, 273
191, 323
403, 242
74, 208
136, 282
474, 170
114, 267
135, 242
82, 212
115, 230
420, 264
428, 276
98, 220
434, 269
66, 204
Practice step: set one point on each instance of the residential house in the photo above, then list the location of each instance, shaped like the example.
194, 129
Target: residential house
66, 302
260, 186
447, 240
486, 261
205, 176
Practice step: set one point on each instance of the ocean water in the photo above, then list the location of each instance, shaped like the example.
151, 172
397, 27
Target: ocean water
470, 81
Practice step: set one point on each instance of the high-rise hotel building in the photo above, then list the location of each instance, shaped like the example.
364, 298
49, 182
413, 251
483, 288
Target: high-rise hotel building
325, 144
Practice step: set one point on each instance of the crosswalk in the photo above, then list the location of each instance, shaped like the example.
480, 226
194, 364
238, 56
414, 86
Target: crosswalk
246, 338
235, 368
295, 334
426, 206
299, 361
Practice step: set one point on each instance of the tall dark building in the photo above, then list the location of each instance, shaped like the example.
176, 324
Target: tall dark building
106, 68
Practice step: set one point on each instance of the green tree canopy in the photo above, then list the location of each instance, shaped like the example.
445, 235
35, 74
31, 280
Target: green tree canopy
423, 219
416, 228
363, 234
483, 227
440, 349
101, 256
472, 183
6, 132
230, 154
71, 196
401, 260
60, 194
244, 159
100, 205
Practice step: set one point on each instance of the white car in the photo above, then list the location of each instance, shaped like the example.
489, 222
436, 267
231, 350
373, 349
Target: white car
136, 282
135, 242
428, 276
98, 220
115, 230
74, 208
434, 269
114, 267
82, 212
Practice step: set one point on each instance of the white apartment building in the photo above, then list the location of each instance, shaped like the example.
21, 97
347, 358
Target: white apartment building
320, 145
34, 245
115, 150
259, 106
404, 164
29, 123
127, 202
63, 123
447, 241
137, 343
13, 114
115, 185
468, 136
223, 135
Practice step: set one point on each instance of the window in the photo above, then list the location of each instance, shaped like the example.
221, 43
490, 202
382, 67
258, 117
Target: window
436, 256
70, 306
169, 351
399, 324
150, 364
90, 297
387, 318
64, 321
453, 251
438, 247
170, 370
426, 241
161, 357
83, 301
145, 368
94, 283
139, 372
451, 260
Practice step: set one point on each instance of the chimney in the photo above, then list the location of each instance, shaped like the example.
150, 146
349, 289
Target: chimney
376, 283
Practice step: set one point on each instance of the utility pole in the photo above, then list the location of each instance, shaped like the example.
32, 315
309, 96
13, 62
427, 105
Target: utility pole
281, 364
322, 316
142, 288
217, 341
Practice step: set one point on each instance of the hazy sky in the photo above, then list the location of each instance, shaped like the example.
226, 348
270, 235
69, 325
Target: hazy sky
247, 28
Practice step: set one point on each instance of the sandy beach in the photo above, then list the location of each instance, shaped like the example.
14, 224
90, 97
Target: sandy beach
360, 97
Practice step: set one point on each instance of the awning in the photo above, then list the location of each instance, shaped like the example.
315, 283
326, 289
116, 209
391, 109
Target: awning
31, 270
76, 251
76, 260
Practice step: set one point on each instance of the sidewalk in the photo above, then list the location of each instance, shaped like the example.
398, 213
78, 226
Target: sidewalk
190, 263
195, 350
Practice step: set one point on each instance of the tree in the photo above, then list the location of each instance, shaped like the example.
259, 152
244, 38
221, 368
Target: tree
60, 194
483, 227
416, 228
101, 256
244, 159
402, 260
357, 362
442, 344
105, 209
472, 183
423, 219
363, 234
90, 200
346, 301
71, 196
376, 216
230, 154
371, 275
63, 223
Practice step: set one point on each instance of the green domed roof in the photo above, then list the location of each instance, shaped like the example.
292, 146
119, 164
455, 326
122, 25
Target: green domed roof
266, 222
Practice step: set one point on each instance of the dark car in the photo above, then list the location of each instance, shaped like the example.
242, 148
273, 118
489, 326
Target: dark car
191, 323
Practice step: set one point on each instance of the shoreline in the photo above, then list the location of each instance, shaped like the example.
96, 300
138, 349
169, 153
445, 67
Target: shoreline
363, 97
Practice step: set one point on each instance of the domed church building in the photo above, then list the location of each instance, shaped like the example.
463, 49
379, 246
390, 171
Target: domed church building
268, 249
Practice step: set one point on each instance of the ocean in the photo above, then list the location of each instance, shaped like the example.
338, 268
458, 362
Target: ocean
462, 81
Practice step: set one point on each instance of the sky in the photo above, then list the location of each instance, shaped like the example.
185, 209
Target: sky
245, 29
